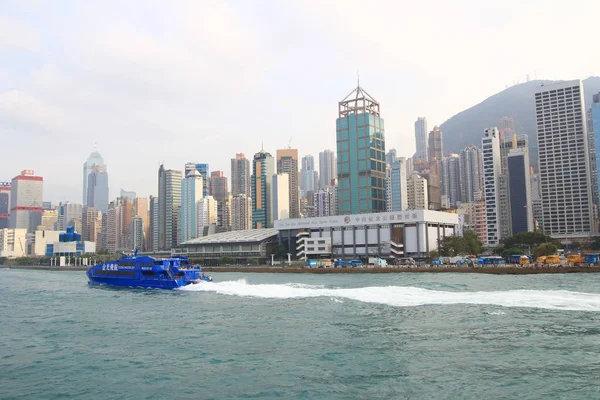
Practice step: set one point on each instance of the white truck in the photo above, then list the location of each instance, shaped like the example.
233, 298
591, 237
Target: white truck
377, 262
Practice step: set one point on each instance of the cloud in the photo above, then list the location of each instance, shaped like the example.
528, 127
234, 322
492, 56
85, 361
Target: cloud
19, 109
18, 35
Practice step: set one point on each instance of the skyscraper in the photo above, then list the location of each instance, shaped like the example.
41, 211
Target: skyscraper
391, 156
417, 193
218, 186
95, 159
421, 139
360, 154
262, 209
68, 213
396, 186
241, 210
240, 175
224, 217
450, 179
137, 233
140, 209
287, 163
207, 215
308, 175
192, 188
327, 168
204, 171
508, 142
169, 207
324, 202
564, 160
519, 189
153, 242
471, 172
281, 196
490, 144
26, 201
4, 204
594, 133
436, 144
97, 182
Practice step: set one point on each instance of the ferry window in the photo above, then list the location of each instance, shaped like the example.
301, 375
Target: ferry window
148, 264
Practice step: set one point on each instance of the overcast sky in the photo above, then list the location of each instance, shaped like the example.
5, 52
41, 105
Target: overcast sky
151, 81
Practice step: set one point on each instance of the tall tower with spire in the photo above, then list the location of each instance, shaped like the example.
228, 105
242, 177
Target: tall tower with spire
361, 164
94, 160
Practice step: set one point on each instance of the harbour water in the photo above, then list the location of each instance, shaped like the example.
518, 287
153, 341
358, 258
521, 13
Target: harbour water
288, 336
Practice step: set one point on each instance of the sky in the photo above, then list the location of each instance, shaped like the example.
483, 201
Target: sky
146, 82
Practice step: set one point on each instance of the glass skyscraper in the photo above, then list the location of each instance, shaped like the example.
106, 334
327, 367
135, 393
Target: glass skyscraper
361, 163
262, 209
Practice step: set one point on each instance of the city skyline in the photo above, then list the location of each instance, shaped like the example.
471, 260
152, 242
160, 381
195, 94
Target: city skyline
56, 61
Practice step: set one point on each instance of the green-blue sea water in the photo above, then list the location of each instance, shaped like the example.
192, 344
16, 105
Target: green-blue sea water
284, 336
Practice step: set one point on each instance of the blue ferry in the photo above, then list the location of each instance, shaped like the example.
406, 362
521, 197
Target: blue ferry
147, 272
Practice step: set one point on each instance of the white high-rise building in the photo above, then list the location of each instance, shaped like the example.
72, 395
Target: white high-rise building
192, 189
207, 214
281, 198
421, 139
490, 144
417, 192
327, 168
564, 162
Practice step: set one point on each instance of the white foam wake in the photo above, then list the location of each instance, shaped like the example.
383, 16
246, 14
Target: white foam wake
405, 296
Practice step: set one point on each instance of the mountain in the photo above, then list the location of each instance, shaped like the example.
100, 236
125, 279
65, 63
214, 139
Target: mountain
517, 102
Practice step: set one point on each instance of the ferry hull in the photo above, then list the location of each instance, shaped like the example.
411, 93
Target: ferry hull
155, 284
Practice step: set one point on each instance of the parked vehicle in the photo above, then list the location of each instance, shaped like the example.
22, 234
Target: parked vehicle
490, 260
591, 258
405, 261
340, 263
377, 262
312, 263
541, 260
553, 259
355, 263
436, 262
575, 259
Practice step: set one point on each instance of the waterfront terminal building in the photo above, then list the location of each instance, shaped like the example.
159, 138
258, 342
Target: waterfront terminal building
396, 234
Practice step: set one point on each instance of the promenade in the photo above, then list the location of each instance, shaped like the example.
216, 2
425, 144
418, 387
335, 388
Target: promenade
504, 269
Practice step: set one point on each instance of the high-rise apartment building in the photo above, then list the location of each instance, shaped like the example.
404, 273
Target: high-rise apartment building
421, 139
91, 224
506, 126
281, 196
224, 217
26, 201
508, 142
519, 190
434, 189
68, 213
97, 186
471, 173
218, 186
327, 168
169, 207
128, 193
325, 202
94, 160
391, 156
241, 212
396, 186
263, 169
207, 214
436, 144
49, 220
4, 204
287, 163
137, 233
450, 179
240, 175
361, 164
140, 209
417, 192
594, 133
309, 178
192, 189
203, 169
153, 242
564, 161
490, 145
